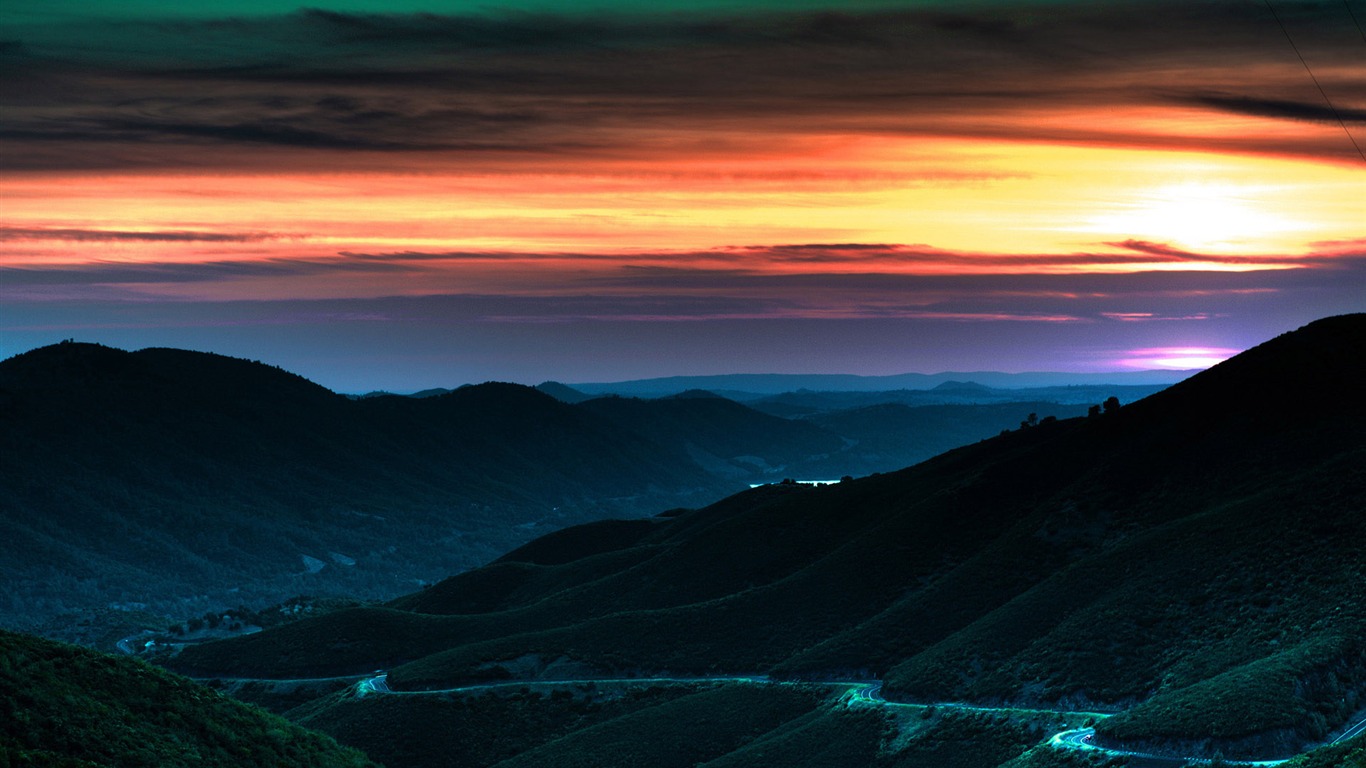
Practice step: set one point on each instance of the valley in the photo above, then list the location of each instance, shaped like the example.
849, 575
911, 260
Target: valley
1161, 583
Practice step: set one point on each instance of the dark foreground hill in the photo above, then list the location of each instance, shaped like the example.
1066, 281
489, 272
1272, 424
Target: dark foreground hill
1193, 561
70, 707
182, 481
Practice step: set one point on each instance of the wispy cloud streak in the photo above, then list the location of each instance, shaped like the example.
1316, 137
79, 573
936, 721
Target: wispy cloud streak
112, 236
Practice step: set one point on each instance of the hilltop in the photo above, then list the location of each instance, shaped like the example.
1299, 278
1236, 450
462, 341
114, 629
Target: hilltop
1191, 561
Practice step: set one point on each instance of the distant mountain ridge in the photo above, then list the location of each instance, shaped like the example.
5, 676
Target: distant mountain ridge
1193, 559
759, 384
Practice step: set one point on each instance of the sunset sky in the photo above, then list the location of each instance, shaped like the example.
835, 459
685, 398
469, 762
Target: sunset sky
410, 194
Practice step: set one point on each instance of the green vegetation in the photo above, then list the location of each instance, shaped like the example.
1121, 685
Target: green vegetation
1047, 757
61, 705
1350, 754
475, 730
967, 741
827, 737
1280, 701
729, 715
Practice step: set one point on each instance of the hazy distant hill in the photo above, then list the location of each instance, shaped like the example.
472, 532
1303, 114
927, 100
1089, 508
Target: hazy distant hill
891, 436
722, 435
760, 384
1195, 559
563, 393
806, 403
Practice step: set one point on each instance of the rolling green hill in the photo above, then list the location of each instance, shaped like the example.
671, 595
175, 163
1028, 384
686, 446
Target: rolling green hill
1192, 560
61, 705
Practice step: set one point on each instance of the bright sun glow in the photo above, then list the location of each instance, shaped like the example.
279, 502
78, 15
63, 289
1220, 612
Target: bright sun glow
1196, 216
1178, 358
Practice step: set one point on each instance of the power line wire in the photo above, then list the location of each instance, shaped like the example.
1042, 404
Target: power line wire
1353, 14
1322, 92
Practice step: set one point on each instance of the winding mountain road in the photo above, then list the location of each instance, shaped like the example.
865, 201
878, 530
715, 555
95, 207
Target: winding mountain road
857, 692
1084, 739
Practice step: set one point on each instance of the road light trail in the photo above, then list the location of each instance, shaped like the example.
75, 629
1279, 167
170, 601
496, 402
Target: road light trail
1352, 732
857, 692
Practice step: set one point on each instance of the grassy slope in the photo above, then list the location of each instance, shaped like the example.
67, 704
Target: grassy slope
1193, 549
63, 703
730, 716
474, 731
823, 738
1351, 754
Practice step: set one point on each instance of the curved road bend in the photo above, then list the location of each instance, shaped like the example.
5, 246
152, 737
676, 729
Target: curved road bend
125, 645
1083, 739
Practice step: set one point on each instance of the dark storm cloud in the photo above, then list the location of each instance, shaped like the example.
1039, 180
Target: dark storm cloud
251, 133
423, 82
1290, 110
